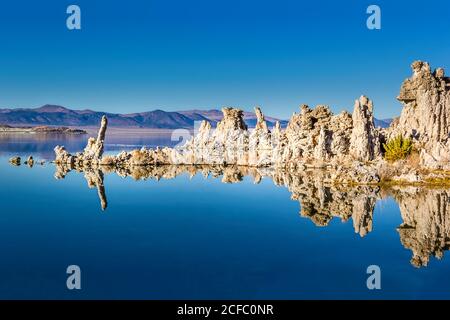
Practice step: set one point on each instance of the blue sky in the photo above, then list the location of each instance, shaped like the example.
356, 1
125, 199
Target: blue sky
141, 55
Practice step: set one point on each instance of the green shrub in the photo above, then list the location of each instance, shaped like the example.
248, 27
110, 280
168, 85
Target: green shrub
397, 148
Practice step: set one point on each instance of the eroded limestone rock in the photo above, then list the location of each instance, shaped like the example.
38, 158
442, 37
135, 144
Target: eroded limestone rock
365, 138
15, 161
92, 153
30, 161
349, 145
426, 114
314, 138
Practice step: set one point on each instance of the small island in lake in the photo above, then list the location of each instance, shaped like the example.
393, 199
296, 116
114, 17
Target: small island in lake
40, 129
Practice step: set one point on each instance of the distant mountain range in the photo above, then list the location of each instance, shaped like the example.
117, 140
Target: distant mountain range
53, 115
383, 123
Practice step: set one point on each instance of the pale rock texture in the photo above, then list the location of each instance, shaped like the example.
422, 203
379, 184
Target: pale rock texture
437, 156
314, 138
227, 144
260, 146
92, 153
365, 138
358, 173
94, 148
303, 132
410, 177
426, 114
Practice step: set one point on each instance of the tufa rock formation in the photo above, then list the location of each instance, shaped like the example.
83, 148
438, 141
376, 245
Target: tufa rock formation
365, 139
426, 114
349, 144
314, 138
29, 161
92, 153
15, 161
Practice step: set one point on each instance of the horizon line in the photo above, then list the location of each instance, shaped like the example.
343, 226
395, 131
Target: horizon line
173, 111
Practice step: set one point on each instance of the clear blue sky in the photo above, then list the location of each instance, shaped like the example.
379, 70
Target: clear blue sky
141, 55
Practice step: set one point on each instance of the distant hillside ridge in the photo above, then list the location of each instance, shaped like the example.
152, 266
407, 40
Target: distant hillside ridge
54, 115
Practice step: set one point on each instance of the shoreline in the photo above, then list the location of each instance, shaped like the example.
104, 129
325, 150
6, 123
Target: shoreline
429, 180
41, 130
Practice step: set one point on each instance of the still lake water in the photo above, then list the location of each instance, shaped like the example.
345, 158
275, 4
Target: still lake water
192, 237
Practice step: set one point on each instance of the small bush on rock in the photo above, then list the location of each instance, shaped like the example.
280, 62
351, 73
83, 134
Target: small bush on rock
398, 148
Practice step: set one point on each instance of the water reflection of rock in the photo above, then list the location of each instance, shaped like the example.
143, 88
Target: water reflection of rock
94, 178
319, 199
426, 222
425, 212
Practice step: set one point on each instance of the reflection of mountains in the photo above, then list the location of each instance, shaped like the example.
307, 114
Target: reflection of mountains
426, 212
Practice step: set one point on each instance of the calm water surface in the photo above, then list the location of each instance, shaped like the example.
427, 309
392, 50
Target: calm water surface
171, 233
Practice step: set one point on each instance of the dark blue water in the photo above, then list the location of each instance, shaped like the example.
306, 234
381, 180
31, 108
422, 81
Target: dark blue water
189, 238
